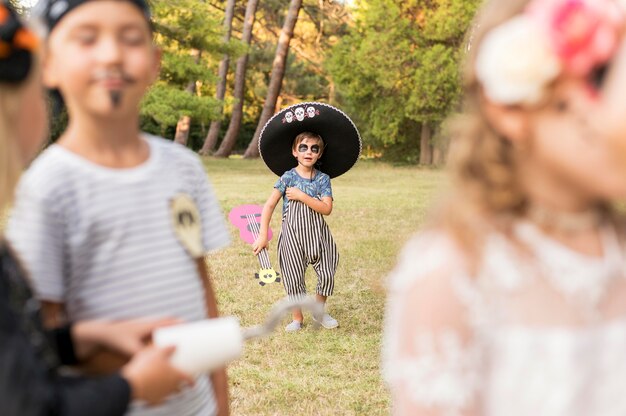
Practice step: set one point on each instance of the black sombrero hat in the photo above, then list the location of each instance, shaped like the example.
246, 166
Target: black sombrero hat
341, 137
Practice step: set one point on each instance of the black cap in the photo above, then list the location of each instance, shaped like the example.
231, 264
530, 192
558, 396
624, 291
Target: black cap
17, 45
50, 12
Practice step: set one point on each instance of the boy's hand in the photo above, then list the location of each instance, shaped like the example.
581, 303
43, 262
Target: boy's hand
295, 194
259, 244
124, 337
128, 337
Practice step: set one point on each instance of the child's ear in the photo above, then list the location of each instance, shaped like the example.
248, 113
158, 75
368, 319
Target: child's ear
510, 121
48, 74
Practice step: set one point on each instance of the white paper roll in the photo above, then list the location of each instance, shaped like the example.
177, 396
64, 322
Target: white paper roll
202, 346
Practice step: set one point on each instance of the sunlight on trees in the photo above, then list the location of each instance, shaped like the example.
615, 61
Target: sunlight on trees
391, 64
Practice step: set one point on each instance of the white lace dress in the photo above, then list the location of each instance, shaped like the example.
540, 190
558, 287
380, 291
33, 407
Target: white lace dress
516, 338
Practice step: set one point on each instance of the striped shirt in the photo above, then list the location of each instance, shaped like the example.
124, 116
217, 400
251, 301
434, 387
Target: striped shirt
101, 241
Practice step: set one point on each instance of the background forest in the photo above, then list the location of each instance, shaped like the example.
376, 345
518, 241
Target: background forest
229, 65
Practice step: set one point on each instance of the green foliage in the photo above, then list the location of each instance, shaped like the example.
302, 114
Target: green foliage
189, 23
398, 66
166, 104
300, 81
189, 33
180, 67
58, 116
390, 64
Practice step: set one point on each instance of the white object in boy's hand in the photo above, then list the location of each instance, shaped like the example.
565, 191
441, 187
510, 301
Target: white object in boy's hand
206, 345
202, 346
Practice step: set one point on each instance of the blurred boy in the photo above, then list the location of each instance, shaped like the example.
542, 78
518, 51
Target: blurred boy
92, 219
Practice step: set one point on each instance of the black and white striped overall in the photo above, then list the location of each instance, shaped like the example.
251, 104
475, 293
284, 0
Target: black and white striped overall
305, 239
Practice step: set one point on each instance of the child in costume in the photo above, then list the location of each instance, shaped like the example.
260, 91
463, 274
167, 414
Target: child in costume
513, 300
94, 220
307, 196
30, 357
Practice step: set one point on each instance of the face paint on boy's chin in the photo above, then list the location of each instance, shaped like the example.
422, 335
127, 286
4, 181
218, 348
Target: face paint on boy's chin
115, 76
116, 98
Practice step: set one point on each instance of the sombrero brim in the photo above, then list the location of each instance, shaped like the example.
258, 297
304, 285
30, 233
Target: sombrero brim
341, 137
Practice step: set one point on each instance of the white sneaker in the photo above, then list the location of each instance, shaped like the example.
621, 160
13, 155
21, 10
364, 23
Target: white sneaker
293, 326
327, 321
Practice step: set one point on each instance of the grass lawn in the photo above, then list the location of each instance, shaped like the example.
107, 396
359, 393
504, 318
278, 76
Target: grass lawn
376, 208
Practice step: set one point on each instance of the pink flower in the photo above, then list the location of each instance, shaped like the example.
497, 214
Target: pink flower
583, 33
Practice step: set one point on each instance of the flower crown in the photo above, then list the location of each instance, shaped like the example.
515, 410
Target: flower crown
17, 45
518, 59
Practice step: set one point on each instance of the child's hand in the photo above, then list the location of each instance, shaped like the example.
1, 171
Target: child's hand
294, 194
124, 337
128, 337
259, 244
151, 376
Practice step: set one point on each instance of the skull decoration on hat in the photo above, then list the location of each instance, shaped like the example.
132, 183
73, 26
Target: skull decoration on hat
311, 112
300, 114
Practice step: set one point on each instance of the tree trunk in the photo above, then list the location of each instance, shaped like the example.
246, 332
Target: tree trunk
439, 147
320, 32
278, 72
182, 130
230, 138
220, 92
184, 122
426, 149
437, 156
332, 96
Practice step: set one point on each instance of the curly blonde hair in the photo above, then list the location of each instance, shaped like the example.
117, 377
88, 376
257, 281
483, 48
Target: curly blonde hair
486, 192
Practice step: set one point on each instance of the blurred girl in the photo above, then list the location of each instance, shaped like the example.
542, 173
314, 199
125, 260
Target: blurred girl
513, 300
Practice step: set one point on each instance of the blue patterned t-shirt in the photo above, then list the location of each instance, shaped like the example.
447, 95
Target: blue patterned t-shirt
317, 187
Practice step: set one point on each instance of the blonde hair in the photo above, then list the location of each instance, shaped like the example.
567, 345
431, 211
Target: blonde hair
482, 162
308, 135
11, 164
